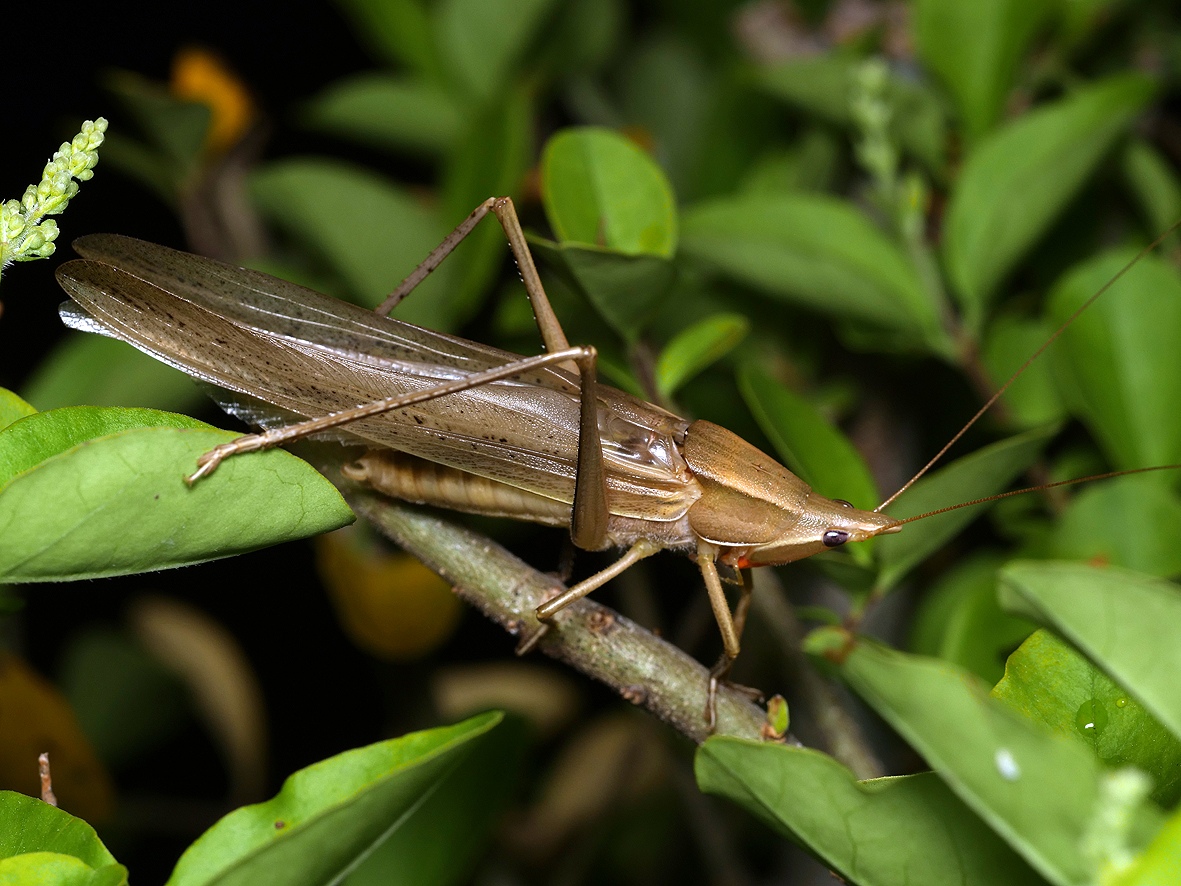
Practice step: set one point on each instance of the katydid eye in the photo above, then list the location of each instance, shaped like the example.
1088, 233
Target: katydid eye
842, 503
835, 537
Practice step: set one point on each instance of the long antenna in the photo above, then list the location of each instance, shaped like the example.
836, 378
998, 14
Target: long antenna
980, 501
983, 409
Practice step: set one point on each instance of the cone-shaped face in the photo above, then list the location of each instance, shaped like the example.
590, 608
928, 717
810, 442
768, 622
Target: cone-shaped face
758, 512
826, 523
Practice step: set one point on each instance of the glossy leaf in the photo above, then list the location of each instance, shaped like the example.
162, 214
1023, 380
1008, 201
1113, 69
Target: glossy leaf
481, 42
1052, 684
448, 833
600, 189
1022, 176
1132, 522
371, 232
1035, 790
329, 816
975, 48
1121, 360
816, 251
908, 831
94, 370
394, 113
28, 825
960, 620
12, 408
696, 348
50, 869
626, 290
25, 445
119, 504
1128, 624
983, 473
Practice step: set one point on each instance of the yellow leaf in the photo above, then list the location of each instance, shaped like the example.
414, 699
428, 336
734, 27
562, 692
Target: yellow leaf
390, 605
200, 76
34, 718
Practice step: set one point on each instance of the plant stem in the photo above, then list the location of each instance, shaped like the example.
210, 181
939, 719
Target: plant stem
598, 641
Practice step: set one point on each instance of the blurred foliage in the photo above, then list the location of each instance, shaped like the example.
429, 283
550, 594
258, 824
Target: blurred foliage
833, 227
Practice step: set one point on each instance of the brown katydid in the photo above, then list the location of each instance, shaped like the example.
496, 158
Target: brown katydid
461, 425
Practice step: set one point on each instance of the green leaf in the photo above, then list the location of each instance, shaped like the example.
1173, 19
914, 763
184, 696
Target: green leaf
1035, 790
1047, 681
372, 232
816, 451
1132, 522
666, 89
817, 251
626, 290
1120, 362
329, 816
823, 85
94, 370
26, 444
908, 831
399, 30
697, 347
1155, 185
126, 701
450, 830
1009, 342
491, 160
28, 825
50, 869
118, 504
975, 49
175, 128
600, 189
1022, 176
483, 42
12, 408
983, 473
961, 622
393, 113
1160, 862
1128, 624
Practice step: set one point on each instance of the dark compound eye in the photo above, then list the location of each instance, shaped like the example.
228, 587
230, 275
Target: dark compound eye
842, 503
834, 538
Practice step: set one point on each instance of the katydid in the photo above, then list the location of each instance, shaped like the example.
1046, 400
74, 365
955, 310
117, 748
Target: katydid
462, 425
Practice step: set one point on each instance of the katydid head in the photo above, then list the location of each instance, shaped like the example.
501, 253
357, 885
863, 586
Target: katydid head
758, 513
824, 523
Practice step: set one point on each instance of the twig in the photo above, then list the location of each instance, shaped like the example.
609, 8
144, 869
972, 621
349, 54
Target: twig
598, 641
841, 733
47, 795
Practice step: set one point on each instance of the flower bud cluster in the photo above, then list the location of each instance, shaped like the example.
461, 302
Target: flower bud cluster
25, 232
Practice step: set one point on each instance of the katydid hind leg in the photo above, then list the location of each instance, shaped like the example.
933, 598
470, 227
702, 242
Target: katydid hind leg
278, 436
552, 335
588, 522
